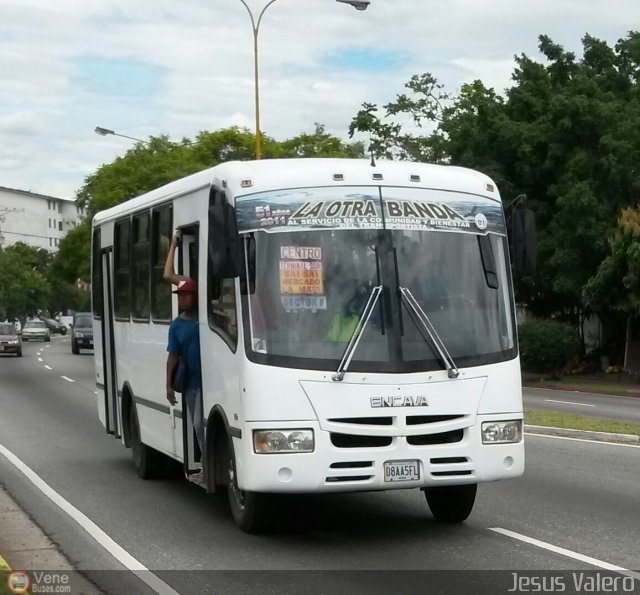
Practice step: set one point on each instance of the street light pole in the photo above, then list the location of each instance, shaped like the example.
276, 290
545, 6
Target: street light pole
104, 131
255, 26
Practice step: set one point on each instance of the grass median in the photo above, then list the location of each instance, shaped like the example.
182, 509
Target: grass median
557, 419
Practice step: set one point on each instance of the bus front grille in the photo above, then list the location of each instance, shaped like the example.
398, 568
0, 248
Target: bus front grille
441, 438
363, 421
357, 441
351, 464
344, 478
417, 420
451, 473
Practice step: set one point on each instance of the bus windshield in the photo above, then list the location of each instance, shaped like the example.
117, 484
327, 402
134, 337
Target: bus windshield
308, 289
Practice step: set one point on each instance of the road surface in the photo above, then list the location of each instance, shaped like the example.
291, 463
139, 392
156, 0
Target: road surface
575, 509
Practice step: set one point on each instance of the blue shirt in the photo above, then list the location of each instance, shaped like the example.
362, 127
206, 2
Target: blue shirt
183, 335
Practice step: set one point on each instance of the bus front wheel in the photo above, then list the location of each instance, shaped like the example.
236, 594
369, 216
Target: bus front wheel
147, 461
251, 511
451, 504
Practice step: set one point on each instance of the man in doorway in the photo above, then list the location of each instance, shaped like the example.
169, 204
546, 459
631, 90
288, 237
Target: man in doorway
184, 342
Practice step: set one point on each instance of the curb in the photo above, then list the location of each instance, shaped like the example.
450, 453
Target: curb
585, 434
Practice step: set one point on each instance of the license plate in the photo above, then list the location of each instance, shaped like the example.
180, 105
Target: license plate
401, 470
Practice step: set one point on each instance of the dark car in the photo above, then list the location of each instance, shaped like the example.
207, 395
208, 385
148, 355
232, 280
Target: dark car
10, 341
81, 332
55, 327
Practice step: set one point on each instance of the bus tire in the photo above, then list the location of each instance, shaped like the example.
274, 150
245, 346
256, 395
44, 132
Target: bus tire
149, 463
451, 504
251, 511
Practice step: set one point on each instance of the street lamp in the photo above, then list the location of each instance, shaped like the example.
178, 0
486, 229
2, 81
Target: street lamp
105, 131
255, 25
357, 4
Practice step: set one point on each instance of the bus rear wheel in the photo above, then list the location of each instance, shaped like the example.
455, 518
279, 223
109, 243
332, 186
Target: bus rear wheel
149, 463
451, 504
251, 511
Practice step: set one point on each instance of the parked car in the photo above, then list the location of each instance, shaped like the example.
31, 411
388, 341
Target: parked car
66, 320
36, 329
81, 332
10, 341
55, 327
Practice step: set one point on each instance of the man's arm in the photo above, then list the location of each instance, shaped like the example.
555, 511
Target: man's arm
172, 361
169, 270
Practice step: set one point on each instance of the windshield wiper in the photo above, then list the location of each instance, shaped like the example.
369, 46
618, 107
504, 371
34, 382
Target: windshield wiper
357, 334
421, 316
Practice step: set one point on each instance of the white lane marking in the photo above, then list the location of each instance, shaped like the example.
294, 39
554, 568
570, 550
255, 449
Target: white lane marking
569, 553
582, 440
117, 551
67, 378
48, 367
555, 391
568, 403
40, 359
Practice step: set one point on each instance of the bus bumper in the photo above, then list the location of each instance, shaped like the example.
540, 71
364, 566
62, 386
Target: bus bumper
336, 469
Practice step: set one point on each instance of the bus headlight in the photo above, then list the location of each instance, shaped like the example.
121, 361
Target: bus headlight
501, 432
277, 441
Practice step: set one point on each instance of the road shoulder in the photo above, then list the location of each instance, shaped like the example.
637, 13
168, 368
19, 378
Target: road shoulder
25, 547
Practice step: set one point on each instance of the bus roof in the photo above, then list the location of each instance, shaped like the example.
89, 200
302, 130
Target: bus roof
249, 177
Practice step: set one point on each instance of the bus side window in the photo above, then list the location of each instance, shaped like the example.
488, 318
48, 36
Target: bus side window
122, 299
140, 270
221, 286
222, 310
160, 239
96, 272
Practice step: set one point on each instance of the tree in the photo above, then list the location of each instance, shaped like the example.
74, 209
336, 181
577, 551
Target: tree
566, 134
148, 166
319, 144
24, 288
72, 261
616, 285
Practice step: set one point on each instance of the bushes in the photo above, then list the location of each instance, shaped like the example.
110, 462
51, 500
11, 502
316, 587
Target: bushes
546, 346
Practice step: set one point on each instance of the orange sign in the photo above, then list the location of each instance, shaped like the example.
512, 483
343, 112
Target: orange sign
299, 277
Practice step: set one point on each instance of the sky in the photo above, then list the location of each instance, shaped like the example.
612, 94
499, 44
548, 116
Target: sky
151, 67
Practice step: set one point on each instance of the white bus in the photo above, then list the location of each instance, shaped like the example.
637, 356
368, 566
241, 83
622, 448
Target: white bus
356, 325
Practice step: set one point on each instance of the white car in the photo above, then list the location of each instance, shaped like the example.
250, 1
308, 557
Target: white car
36, 329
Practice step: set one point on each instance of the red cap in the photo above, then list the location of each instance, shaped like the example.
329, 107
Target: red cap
186, 285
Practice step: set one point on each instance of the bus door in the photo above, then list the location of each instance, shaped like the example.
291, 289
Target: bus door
185, 434
113, 418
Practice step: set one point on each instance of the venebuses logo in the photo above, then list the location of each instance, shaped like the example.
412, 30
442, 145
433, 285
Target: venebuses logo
18, 582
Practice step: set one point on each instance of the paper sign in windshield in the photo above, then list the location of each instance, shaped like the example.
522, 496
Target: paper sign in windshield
301, 271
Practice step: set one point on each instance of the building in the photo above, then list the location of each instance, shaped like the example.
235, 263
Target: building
35, 219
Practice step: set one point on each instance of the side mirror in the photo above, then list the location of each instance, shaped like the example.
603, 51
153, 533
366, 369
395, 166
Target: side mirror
248, 286
523, 241
225, 247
